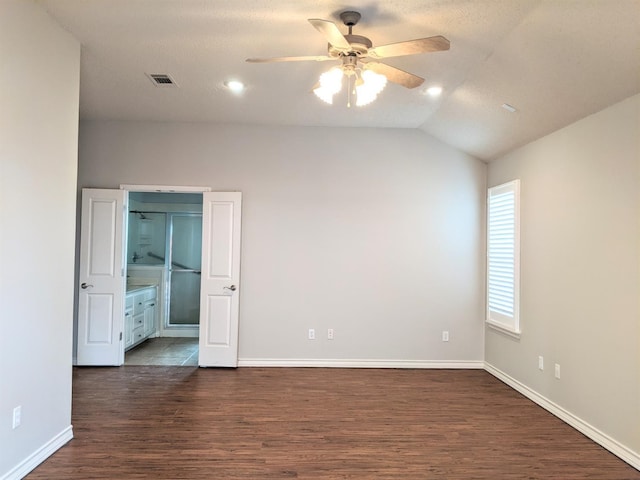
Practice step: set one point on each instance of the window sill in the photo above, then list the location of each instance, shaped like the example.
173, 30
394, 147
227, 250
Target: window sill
499, 327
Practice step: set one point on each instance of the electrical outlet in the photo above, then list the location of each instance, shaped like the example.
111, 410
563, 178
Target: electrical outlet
330, 334
445, 336
312, 334
540, 362
557, 371
17, 416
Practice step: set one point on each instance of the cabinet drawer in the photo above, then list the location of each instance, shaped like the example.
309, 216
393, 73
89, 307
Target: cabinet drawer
138, 321
138, 334
142, 297
138, 303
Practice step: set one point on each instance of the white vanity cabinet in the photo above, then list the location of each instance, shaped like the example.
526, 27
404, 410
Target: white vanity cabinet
139, 314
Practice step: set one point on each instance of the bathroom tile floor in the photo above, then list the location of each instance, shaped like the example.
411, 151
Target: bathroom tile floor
164, 351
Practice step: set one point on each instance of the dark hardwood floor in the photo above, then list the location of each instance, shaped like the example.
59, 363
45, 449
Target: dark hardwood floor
258, 423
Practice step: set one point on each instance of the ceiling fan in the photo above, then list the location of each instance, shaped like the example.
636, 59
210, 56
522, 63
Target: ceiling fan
359, 60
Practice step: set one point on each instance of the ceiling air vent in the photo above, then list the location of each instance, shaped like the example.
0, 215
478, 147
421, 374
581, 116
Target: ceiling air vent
161, 80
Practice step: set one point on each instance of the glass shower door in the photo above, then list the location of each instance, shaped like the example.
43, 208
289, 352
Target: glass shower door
184, 269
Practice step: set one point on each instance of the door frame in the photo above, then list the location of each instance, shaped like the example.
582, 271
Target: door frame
119, 318
137, 188
220, 347
163, 188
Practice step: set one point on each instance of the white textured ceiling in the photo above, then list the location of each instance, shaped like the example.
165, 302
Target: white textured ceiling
556, 61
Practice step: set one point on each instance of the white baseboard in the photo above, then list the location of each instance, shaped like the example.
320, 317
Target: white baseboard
615, 447
360, 363
39, 456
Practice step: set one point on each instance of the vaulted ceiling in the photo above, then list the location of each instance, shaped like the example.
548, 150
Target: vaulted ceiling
555, 61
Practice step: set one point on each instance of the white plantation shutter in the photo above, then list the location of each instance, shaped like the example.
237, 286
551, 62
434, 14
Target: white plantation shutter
503, 256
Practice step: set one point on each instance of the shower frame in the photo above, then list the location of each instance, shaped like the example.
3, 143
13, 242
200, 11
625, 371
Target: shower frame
170, 265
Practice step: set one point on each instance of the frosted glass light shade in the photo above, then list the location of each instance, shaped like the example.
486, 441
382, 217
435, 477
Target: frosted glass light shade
372, 84
330, 84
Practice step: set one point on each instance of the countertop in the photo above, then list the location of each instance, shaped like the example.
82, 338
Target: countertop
135, 288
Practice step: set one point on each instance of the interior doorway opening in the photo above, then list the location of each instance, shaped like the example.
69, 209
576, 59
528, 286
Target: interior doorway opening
164, 251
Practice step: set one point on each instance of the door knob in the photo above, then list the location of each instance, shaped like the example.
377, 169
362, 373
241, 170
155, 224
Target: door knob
232, 288
84, 286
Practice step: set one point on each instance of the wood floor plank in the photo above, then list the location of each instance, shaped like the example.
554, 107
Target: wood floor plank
144, 422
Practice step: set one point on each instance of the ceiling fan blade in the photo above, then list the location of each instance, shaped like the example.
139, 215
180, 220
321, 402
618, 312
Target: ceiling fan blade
395, 75
411, 47
320, 58
331, 33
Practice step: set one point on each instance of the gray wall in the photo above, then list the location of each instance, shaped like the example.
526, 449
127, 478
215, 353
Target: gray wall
39, 85
580, 262
375, 233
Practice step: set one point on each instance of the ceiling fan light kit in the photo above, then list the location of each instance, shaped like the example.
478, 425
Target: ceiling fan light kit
364, 84
366, 76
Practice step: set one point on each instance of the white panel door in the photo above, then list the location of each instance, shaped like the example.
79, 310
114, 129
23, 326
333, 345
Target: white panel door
102, 281
220, 279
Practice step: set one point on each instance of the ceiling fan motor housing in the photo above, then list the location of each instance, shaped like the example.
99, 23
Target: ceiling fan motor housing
359, 45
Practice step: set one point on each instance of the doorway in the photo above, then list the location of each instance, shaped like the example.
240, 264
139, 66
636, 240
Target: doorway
111, 317
164, 251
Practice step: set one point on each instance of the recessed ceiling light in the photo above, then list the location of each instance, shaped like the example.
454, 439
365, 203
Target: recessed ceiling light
509, 108
235, 86
434, 91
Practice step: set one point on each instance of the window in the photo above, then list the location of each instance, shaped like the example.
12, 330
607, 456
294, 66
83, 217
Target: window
503, 257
